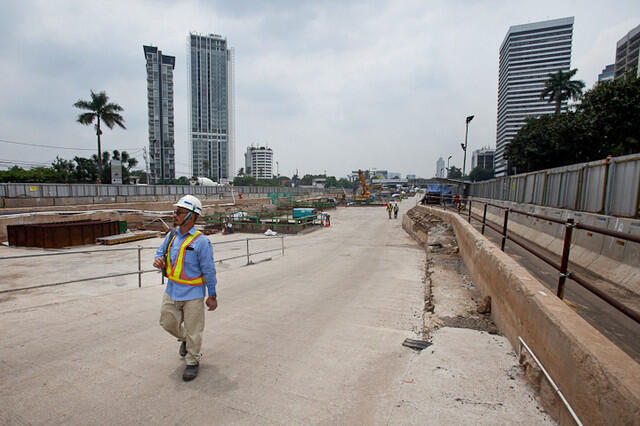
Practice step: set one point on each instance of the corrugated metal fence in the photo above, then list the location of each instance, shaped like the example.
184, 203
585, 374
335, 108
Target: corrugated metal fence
40, 190
606, 186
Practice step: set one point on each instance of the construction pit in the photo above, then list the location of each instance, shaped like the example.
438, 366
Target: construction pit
309, 335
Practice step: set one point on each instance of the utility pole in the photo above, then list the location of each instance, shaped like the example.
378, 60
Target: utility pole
146, 163
464, 147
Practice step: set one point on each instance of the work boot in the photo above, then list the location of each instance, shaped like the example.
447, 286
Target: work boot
183, 349
190, 372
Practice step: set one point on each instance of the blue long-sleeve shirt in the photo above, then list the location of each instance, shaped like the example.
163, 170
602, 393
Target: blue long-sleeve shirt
197, 262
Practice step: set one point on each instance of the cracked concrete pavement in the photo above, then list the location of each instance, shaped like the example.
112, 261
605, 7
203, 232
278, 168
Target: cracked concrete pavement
311, 337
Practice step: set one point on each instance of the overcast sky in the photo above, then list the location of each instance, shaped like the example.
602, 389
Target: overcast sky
328, 85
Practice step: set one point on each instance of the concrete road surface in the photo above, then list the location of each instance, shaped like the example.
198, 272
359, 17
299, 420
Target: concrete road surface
311, 337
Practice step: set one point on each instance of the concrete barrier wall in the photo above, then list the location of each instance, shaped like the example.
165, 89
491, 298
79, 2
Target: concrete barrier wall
613, 259
600, 381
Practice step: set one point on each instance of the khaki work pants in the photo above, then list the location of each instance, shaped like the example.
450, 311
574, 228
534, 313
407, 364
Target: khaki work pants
185, 320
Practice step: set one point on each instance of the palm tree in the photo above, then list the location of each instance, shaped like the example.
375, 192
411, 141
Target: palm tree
102, 110
560, 87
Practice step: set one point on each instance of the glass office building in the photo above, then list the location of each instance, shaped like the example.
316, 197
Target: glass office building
211, 107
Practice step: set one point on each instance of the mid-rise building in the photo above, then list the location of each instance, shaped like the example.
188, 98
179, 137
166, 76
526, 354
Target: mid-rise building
528, 54
440, 169
211, 107
606, 74
627, 54
162, 161
482, 158
258, 162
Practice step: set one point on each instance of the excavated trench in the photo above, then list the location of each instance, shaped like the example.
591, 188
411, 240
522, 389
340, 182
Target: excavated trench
451, 298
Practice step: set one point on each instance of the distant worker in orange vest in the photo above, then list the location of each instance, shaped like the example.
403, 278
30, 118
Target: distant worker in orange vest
186, 257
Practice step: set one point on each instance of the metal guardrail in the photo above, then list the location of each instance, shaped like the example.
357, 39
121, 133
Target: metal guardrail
140, 271
563, 266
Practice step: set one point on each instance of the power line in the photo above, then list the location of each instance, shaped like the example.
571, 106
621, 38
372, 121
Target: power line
3, 160
44, 146
137, 149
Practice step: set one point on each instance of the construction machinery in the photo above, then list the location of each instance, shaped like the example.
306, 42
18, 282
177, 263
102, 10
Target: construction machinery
364, 195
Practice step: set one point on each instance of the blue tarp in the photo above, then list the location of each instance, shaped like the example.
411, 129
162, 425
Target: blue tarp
436, 188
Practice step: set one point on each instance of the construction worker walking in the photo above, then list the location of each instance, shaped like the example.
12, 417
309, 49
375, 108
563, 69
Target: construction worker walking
389, 209
186, 257
395, 210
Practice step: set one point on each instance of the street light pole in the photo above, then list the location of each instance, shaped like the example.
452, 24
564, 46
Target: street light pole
449, 158
466, 133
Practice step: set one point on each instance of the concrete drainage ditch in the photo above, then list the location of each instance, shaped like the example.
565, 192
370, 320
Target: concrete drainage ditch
451, 298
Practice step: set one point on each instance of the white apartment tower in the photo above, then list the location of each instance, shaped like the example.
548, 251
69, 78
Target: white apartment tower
528, 54
211, 107
162, 163
258, 162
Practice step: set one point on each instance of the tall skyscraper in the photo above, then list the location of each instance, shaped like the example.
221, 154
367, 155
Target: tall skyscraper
258, 162
627, 54
528, 54
160, 102
211, 107
482, 158
440, 168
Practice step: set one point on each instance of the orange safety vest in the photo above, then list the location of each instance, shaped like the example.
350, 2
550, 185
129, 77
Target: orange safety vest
176, 272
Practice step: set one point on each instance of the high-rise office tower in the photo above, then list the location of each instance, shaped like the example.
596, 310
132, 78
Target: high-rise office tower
440, 168
627, 56
482, 158
528, 54
211, 107
160, 101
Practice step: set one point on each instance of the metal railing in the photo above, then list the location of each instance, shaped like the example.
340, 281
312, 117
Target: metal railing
563, 266
140, 271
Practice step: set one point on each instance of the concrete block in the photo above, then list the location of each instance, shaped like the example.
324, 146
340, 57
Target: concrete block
104, 200
70, 201
28, 202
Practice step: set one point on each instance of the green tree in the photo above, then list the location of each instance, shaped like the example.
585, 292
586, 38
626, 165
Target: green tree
141, 174
479, 174
559, 87
612, 113
454, 173
100, 110
331, 182
244, 181
605, 123
86, 170
550, 141
344, 183
64, 169
182, 180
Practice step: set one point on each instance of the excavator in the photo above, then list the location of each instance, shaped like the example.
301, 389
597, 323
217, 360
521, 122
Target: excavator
364, 194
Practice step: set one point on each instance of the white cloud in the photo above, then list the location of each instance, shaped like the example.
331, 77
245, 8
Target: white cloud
328, 85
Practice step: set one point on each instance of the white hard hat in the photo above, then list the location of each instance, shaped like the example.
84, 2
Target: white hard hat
190, 203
